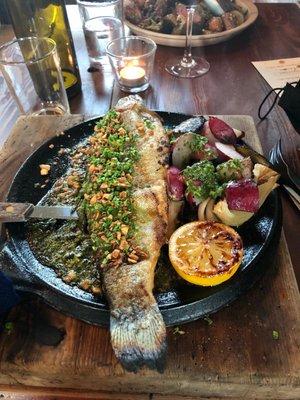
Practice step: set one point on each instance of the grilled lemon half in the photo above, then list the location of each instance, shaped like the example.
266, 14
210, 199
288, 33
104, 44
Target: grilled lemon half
205, 253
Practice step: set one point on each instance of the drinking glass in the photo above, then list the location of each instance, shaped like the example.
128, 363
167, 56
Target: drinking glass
100, 8
31, 69
132, 59
188, 66
98, 32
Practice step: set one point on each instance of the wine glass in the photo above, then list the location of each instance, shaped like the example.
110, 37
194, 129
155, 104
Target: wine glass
188, 66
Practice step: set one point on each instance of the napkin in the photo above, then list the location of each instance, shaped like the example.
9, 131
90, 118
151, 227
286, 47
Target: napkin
283, 77
289, 100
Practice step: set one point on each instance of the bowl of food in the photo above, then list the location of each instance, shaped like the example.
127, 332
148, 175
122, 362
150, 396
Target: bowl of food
164, 21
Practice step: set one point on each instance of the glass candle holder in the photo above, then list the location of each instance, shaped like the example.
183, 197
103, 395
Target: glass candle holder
132, 60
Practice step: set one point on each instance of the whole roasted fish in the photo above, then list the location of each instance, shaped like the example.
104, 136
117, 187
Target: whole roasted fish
125, 202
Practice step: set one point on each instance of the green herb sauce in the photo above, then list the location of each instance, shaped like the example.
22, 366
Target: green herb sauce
72, 248
203, 172
229, 170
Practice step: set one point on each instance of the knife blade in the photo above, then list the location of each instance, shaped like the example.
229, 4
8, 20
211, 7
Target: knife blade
21, 212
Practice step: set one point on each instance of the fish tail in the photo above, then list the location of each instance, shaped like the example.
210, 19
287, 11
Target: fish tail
138, 336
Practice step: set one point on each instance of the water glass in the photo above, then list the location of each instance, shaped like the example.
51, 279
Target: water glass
100, 8
132, 60
98, 32
31, 69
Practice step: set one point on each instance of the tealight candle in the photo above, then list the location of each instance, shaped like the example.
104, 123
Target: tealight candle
132, 76
132, 60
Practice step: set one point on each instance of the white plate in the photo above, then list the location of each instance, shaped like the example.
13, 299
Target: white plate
200, 40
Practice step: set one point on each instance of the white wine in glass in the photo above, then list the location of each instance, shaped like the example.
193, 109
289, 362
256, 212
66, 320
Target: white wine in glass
188, 66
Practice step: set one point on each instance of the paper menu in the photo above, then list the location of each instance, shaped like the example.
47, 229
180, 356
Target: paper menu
278, 72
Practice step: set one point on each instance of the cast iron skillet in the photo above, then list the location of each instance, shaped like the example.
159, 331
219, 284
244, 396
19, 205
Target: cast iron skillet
187, 303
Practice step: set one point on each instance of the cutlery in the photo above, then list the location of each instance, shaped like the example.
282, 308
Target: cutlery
21, 212
279, 164
293, 196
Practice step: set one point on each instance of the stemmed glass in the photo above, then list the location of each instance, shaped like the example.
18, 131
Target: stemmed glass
188, 66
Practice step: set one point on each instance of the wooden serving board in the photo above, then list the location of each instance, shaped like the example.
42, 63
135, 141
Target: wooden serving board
234, 354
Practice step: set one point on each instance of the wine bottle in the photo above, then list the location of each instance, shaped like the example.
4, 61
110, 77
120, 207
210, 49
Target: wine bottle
48, 18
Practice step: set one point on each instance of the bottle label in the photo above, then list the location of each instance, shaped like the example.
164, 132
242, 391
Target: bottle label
69, 79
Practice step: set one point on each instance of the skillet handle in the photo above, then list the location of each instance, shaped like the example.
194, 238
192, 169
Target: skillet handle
15, 212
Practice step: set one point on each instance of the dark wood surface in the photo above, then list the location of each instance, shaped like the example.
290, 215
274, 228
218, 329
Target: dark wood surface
231, 87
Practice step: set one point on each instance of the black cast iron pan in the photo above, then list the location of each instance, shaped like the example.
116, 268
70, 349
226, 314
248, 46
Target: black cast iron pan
260, 237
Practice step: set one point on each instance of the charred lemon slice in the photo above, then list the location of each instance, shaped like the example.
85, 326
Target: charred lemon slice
205, 253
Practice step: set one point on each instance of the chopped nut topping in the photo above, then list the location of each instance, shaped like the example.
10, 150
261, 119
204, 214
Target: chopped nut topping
106, 192
93, 199
123, 245
122, 131
96, 290
132, 261
124, 229
85, 284
9, 209
133, 256
116, 253
44, 169
141, 253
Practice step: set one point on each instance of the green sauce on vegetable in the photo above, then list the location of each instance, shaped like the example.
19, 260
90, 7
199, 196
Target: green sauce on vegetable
202, 180
229, 170
198, 143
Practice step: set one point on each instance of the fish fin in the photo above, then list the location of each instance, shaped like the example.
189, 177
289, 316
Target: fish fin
138, 337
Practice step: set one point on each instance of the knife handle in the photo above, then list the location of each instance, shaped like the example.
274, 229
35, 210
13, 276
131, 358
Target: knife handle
15, 212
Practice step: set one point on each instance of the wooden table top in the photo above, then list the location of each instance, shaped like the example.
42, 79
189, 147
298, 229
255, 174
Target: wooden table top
232, 86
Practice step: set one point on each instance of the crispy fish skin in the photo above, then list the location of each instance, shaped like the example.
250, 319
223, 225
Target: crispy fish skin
138, 333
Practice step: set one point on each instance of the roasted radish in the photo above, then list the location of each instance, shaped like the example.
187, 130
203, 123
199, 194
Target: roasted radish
191, 146
175, 184
208, 152
227, 152
192, 199
208, 134
222, 131
182, 152
242, 196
